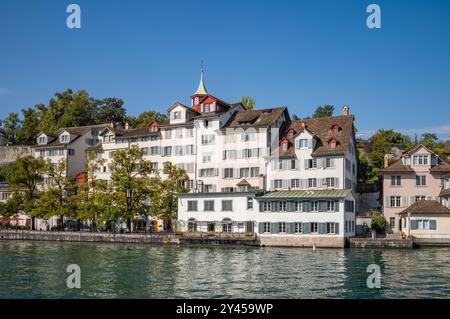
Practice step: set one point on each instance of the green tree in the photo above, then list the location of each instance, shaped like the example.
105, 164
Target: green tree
130, 177
248, 102
323, 111
58, 198
110, 110
144, 119
429, 140
379, 223
11, 125
26, 134
382, 141
12, 206
175, 183
24, 176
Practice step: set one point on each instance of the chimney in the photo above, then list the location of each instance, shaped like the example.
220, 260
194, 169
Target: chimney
302, 124
345, 110
127, 125
386, 160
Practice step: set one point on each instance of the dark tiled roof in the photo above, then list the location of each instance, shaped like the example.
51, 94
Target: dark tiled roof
443, 167
397, 166
134, 132
447, 147
334, 193
321, 128
255, 118
426, 207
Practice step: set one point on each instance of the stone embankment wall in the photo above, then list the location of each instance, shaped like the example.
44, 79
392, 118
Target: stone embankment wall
380, 243
89, 237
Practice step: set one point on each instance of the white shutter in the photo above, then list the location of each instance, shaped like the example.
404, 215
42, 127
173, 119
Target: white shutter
387, 201
404, 201
306, 164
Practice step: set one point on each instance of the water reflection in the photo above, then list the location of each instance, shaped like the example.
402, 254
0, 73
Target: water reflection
38, 270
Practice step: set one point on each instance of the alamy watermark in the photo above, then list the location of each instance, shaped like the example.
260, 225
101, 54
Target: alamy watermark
74, 279
73, 21
374, 279
374, 19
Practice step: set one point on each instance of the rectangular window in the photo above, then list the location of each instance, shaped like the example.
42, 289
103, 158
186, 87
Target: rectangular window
331, 205
244, 172
281, 227
331, 228
208, 205
312, 163
168, 134
315, 206
208, 139
228, 172
330, 182
227, 205
168, 151
298, 206
254, 172
282, 206
192, 205
206, 157
314, 228
312, 182
328, 162
267, 206
266, 227
249, 202
421, 180
396, 201
420, 159
295, 183
298, 228
71, 151
419, 197
396, 180
176, 115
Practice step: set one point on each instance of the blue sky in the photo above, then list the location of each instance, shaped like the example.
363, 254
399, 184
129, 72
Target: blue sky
299, 54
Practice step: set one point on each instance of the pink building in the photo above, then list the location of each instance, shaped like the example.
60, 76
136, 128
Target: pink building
416, 175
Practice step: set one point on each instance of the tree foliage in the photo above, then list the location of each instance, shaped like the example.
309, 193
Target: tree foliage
323, 111
379, 223
248, 102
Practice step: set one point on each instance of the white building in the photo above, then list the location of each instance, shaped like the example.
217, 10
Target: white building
304, 218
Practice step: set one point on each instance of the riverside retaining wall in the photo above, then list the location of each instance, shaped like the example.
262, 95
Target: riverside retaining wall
380, 243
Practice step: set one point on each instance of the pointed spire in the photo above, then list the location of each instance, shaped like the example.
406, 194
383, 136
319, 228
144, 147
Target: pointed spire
201, 87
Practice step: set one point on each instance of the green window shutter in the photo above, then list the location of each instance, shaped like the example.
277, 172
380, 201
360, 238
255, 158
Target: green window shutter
290, 206
274, 228
306, 228
414, 224
433, 224
290, 228
322, 206
336, 206
322, 228
306, 206
261, 206
261, 228
336, 228
274, 206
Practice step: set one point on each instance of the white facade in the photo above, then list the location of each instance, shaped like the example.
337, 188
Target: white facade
324, 219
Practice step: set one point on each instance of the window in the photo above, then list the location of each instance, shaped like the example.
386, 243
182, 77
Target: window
421, 180
176, 115
298, 206
419, 197
41, 140
179, 133
192, 205
295, 183
226, 226
298, 228
396, 201
208, 205
282, 206
278, 183
312, 182
331, 228
228, 172
420, 159
330, 182
267, 206
206, 107
396, 180
392, 222
254, 171
168, 151
196, 101
154, 165
208, 139
328, 162
227, 205
312, 163
266, 227
64, 138
331, 205
332, 143
281, 227
314, 228
303, 143
71, 151
206, 157
206, 123
168, 134
244, 172
284, 147
192, 225
249, 202
314, 206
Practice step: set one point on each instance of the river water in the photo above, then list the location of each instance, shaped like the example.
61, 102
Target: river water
38, 270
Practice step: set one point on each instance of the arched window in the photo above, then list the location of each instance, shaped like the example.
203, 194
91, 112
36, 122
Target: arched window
332, 144
335, 129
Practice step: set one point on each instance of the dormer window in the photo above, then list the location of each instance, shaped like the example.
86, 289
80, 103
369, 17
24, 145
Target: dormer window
42, 140
196, 100
335, 129
154, 129
176, 115
108, 138
64, 138
290, 133
332, 144
206, 107
284, 147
